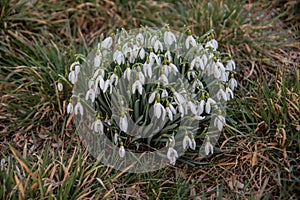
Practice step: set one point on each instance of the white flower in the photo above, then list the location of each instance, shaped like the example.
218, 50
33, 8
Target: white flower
107, 42
181, 109
123, 123
154, 58
70, 107
121, 151
141, 76
212, 43
190, 40
192, 107
232, 83
208, 105
158, 46
186, 141
209, 148
142, 53
147, 67
179, 99
90, 94
172, 155
200, 107
230, 65
116, 136
163, 79
137, 85
219, 122
78, 108
168, 56
118, 57
114, 79
105, 85
75, 66
169, 38
164, 93
97, 59
193, 143
127, 73
221, 94
173, 68
72, 77
218, 70
229, 93
170, 110
60, 86
197, 63
159, 110
198, 83
152, 96
97, 126
140, 39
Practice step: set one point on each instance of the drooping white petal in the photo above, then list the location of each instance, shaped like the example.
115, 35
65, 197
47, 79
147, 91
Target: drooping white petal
121, 151
78, 108
152, 97
209, 148
70, 108
116, 136
219, 122
172, 155
107, 42
60, 86
201, 107
190, 40
123, 123
186, 141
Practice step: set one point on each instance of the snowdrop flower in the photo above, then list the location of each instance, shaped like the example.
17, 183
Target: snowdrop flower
154, 58
170, 111
230, 65
137, 85
208, 105
159, 109
147, 67
78, 108
168, 56
192, 107
229, 93
181, 110
219, 121
107, 42
208, 146
123, 122
197, 84
90, 94
218, 70
179, 99
197, 63
173, 68
70, 106
186, 141
142, 53
139, 39
190, 40
141, 76
127, 72
98, 58
152, 97
164, 93
163, 78
118, 57
121, 151
59, 86
106, 85
158, 46
169, 38
212, 44
97, 125
74, 70
200, 107
232, 82
172, 155
193, 143
221, 94
114, 79
116, 137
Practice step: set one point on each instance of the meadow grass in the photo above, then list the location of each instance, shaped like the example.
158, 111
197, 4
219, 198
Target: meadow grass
257, 156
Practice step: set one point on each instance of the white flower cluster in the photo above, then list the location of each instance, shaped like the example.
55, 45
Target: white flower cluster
176, 72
